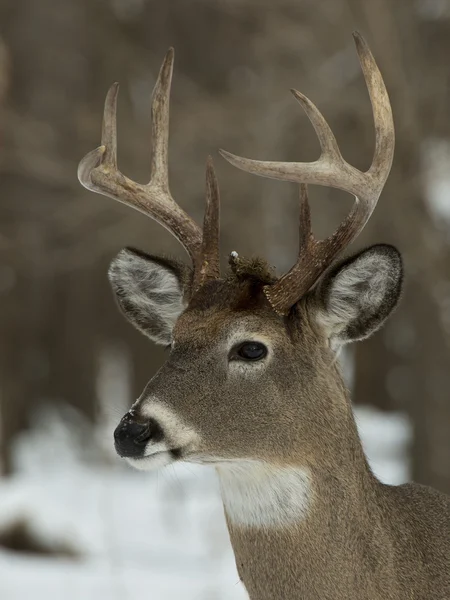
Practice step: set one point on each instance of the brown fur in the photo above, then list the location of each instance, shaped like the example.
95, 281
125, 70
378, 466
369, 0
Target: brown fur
363, 540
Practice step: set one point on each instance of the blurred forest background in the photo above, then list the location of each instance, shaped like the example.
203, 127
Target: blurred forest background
235, 62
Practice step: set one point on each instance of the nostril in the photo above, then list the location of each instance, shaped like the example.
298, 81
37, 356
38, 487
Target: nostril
143, 437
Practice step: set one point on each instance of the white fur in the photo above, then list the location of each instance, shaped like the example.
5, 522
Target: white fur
256, 494
177, 434
167, 285
346, 301
153, 289
163, 283
151, 462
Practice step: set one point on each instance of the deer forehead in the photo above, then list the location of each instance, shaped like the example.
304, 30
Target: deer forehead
227, 328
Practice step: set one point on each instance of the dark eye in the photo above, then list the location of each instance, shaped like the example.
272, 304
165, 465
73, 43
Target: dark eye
251, 351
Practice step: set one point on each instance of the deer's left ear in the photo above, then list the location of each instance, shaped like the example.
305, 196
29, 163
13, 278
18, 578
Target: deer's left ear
357, 295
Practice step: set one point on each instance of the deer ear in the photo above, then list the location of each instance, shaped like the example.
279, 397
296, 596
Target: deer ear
149, 291
358, 294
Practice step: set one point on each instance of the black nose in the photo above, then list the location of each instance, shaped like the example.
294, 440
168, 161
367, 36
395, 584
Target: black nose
131, 436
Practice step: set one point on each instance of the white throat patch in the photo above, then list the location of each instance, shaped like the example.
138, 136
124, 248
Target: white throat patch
256, 494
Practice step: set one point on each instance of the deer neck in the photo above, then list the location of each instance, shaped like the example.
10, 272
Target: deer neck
288, 523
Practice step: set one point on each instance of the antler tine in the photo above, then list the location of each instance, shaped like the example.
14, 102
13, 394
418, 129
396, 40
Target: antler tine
381, 108
109, 127
160, 123
305, 231
331, 170
209, 267
98, 170
314, 172
328, 143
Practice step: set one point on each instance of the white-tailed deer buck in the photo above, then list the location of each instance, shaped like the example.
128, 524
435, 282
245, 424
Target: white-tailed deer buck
251, 384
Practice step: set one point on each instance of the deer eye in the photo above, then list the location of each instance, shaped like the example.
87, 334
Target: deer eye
249, 351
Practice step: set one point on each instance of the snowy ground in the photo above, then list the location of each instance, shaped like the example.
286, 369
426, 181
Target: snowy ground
159, 536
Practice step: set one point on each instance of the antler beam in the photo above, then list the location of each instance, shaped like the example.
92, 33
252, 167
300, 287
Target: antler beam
98, 172
331, 170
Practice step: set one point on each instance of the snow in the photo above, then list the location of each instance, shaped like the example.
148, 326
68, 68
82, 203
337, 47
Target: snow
158, 535
435, 159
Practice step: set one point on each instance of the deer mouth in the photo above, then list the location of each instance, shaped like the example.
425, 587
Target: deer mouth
155, 460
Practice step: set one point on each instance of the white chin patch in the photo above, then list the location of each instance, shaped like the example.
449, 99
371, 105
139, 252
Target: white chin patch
157, 460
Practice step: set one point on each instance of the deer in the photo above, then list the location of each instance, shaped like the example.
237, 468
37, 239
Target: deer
252, 383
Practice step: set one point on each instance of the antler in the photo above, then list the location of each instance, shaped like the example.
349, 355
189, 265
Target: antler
98, 172
330, 170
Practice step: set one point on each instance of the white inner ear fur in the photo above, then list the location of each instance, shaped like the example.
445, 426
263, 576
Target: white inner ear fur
150, 286
256, 494
359, 287
165, 287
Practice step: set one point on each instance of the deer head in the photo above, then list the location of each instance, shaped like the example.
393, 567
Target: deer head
251, 374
